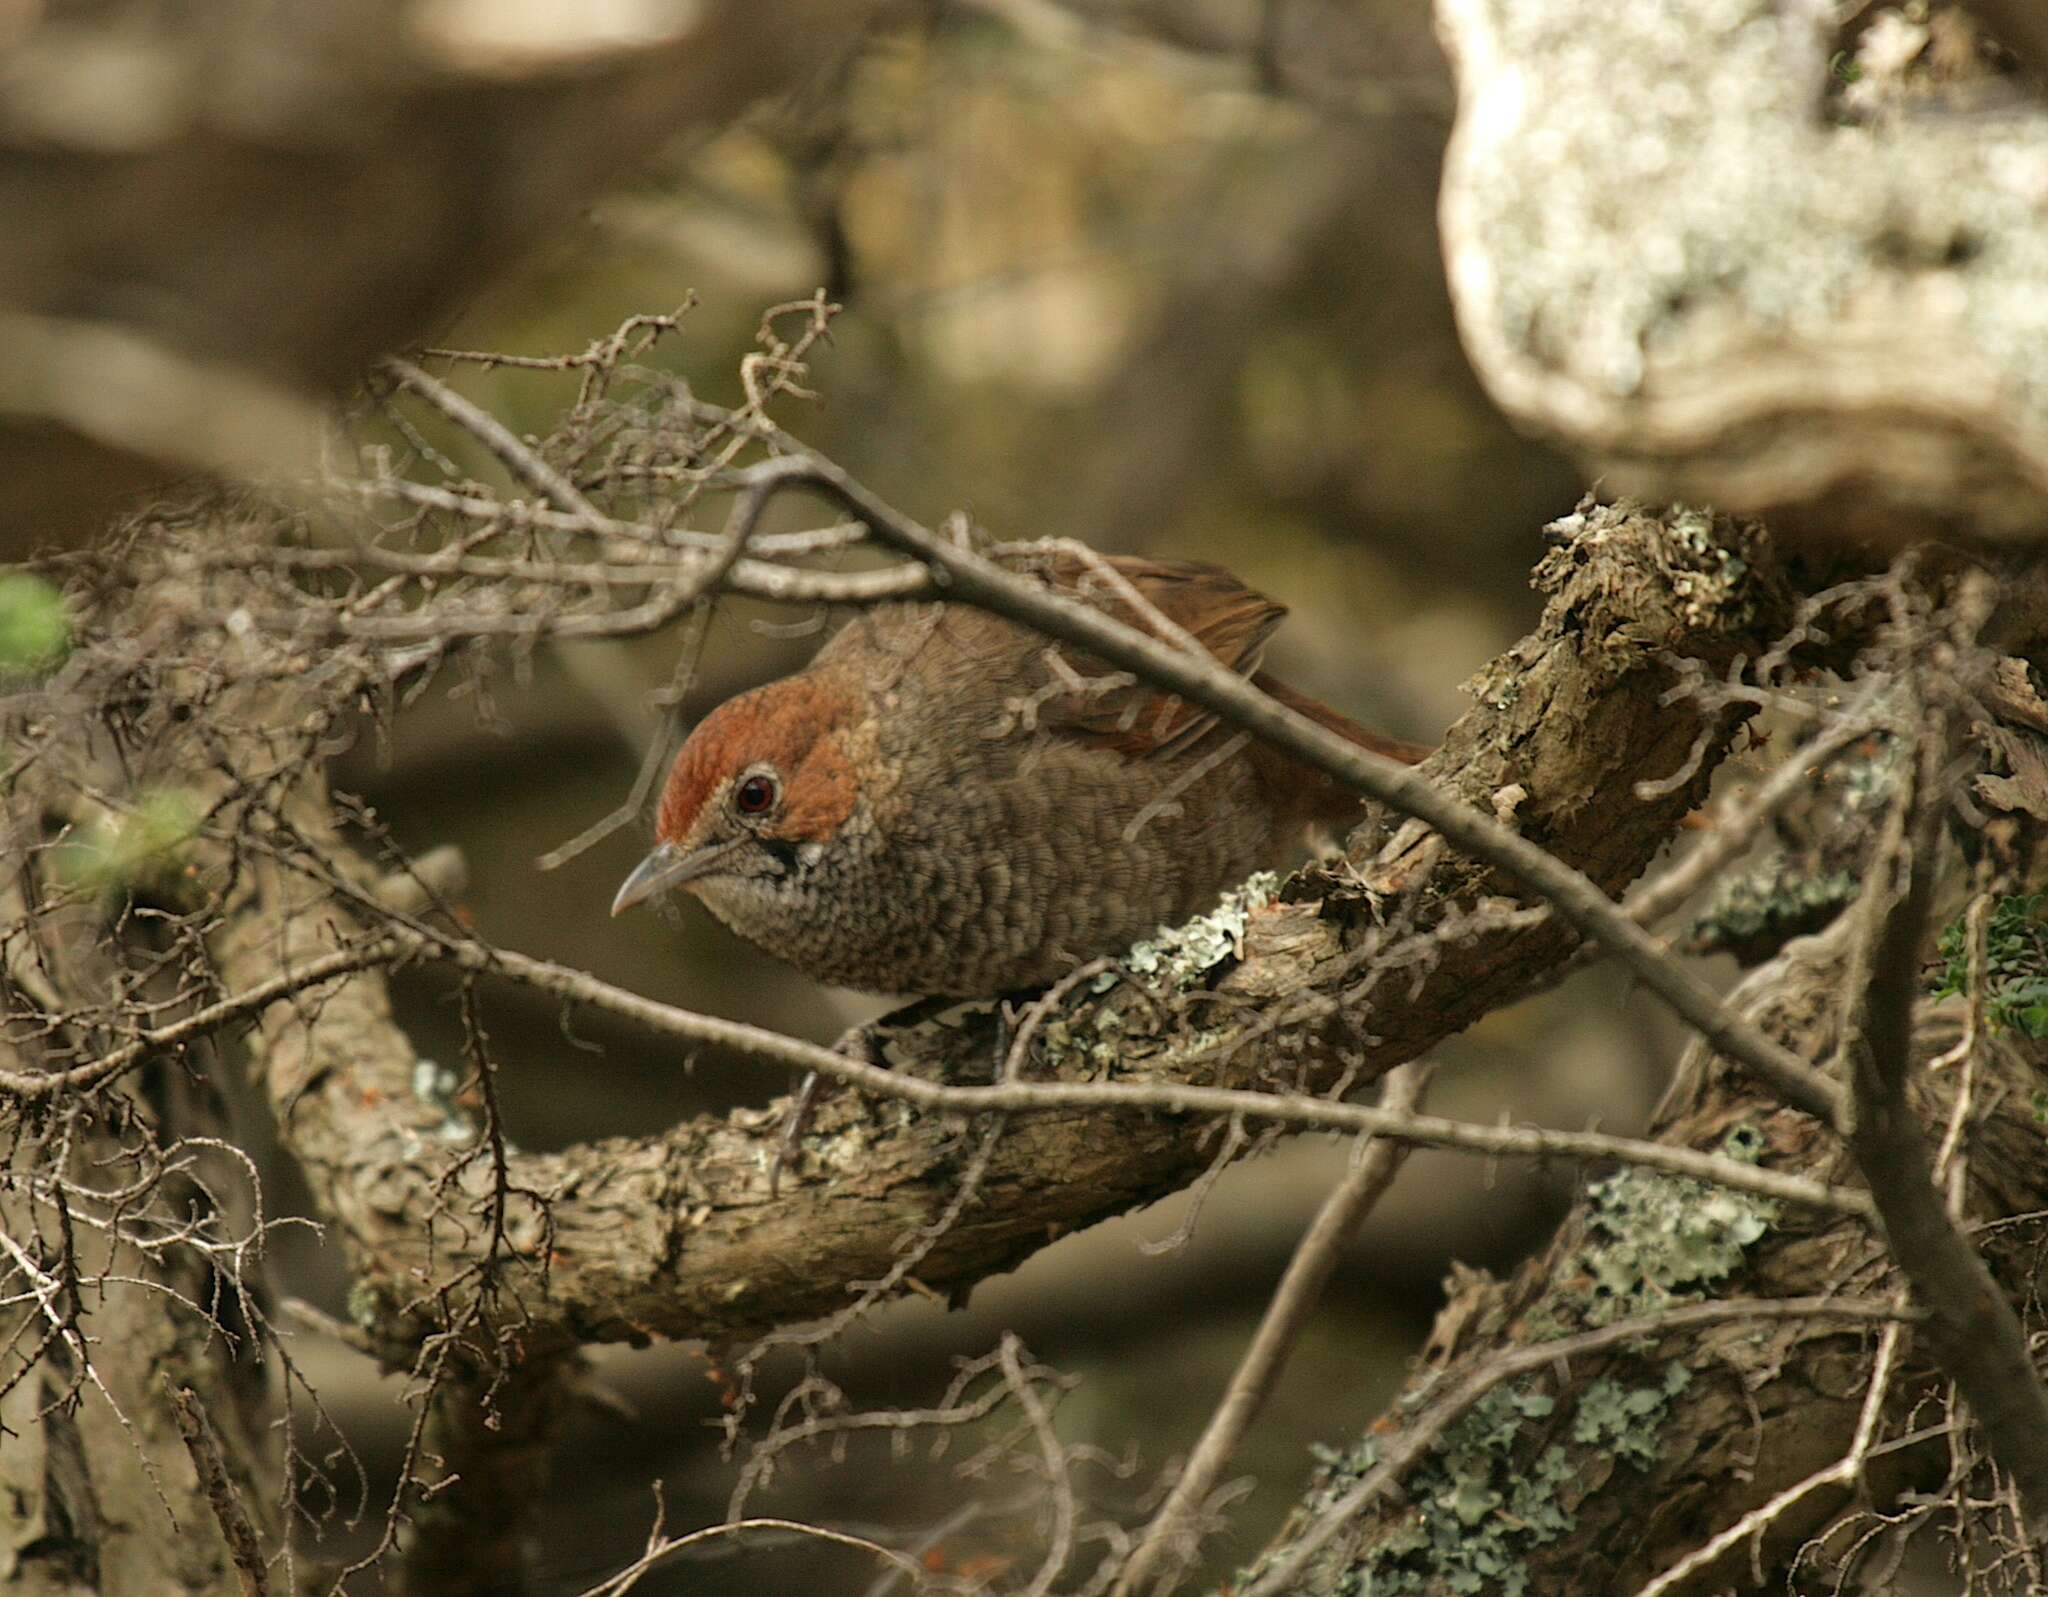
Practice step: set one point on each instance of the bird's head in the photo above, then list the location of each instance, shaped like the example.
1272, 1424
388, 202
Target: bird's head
757, 793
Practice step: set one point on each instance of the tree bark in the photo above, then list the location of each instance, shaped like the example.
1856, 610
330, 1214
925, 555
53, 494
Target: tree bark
1605, 1494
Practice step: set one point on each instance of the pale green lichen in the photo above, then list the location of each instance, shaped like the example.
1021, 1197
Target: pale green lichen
435, 1085
1173, 957
1474, 1510
1787, 892
1654, 1239
1181, 955
1624, 1420
1478, 1504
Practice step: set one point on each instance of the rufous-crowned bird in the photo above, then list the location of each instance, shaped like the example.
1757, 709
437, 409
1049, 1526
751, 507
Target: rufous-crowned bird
947, 803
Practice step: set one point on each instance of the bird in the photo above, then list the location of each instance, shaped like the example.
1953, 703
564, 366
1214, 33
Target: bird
945, 803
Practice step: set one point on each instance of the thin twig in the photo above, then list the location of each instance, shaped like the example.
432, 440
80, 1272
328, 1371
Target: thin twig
1658, 897
201, 1022
1060, 1544
512, 452
662, 1548
243, 1545
1043, 1097
1845, 1471
1169, 1542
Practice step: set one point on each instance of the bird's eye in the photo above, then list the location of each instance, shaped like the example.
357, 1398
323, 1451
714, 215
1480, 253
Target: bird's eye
755, 795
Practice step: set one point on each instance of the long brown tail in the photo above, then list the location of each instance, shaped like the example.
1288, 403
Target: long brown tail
1303, 788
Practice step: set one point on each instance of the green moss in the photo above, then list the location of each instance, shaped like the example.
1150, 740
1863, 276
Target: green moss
2015, 965
35, 626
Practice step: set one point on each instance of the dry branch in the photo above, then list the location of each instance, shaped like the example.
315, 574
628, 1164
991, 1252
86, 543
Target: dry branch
280, 194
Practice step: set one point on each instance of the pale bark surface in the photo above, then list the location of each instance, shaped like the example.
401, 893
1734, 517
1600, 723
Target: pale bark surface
1679, 253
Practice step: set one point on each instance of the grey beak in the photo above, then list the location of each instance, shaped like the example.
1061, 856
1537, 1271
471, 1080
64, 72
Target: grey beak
668, 866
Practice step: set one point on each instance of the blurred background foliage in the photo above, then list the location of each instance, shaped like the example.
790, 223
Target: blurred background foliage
1162, 297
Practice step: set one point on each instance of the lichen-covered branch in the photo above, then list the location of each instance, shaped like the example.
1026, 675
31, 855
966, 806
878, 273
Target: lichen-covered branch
1601, 1482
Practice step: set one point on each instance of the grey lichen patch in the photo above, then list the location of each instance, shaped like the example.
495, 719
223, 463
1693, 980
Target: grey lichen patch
1474, 1510
1757, 206
1801, 882
1654, 1239
1490, 1492
1662, 255
1179, 956
1710, 575
1754, 912
435, 1085
1174, 958
1624, 1420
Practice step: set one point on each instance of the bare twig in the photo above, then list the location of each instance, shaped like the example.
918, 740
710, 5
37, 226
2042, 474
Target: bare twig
661, 1548
1041, 1097
201, 1022
1021, 1385
512, 452
1975, 1334
1658, 897
1169, 1542
1845, 1471
243, 1545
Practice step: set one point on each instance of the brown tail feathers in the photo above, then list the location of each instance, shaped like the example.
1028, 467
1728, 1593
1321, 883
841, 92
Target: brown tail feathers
1319, 797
